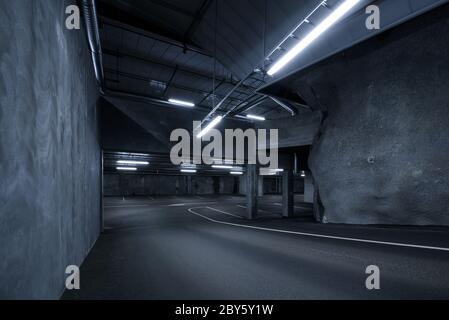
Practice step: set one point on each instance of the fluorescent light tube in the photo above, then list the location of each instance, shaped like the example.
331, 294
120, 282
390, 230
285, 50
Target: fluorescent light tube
132, 162
188, 170
236, 172
227, 161
181, 103
212, 124
250, 116
269, 171
127, 168
137, 154
336, 15
216, 166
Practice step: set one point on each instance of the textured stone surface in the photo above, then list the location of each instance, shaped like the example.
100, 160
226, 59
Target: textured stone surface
49, 150
299, 130
381, 156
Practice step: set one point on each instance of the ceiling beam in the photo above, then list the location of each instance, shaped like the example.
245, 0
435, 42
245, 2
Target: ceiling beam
172, 7
212, 92
173, 85
197, 19
170, 82
142, 97
114, 16
117, 54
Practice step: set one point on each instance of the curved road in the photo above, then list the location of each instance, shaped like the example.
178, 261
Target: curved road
195, 248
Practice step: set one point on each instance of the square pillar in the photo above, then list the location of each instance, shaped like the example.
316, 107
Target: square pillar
260, 186
189, 185
308, 188
287, 194
251, 191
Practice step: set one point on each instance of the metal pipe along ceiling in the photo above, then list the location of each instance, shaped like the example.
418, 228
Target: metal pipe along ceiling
93, 37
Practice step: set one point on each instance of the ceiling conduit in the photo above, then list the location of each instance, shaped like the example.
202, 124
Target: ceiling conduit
93, 36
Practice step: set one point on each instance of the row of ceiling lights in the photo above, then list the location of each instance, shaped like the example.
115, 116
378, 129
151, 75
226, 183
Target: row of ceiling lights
290, 55
233, 170
183, 103
321, 28
184, 170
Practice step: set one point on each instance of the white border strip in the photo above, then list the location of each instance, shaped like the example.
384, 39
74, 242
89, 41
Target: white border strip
189, 203
261, 210
224, 212
128, 206
317, 235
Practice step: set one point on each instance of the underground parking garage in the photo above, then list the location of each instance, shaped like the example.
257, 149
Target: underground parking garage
224, 150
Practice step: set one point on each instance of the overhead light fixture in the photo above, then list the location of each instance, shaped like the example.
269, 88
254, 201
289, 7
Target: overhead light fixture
217, 166
212, 124
126, 168
336, 15
133, 162
270, 171
181, 103
236, 172
188, 170
251, 116
136, 154
227, 161
188, 165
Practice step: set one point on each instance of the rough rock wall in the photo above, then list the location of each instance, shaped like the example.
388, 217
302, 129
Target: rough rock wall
49, 149
382, 154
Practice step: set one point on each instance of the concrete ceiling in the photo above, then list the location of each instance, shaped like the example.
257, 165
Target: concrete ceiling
165, 48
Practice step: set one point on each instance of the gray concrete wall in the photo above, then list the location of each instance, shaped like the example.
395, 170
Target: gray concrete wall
49, 150
381, 156
146, 185
273, 185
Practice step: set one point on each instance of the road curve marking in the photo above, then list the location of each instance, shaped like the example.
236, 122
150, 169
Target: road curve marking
128, 206
316, 235
224, 212
157, 204
187, 203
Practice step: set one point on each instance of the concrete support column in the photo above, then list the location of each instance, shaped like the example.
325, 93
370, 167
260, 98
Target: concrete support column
189, 184
308, 188
278, 186
102, 193
287, 194
260, 186
251, 191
